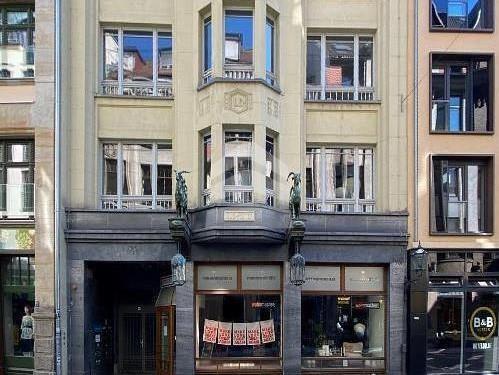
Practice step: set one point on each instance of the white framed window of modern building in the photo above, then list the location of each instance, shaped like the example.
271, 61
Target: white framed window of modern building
340, 179
238, 43
270, 164
207, 49
270, 50
136, 175
238, 166
206, 187
137, 62
340, 67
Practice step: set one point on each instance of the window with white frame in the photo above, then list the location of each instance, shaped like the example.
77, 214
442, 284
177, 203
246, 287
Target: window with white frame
270, 171
137, 62
207, 50
238, 44
270, 51
340, 179
206, 193
238, 178
340, 67
136, 176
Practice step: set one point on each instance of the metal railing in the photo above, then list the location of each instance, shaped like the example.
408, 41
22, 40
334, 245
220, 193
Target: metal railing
270, 197
207, 76
112, 202
241, 72
206, 197
17, 201
271, 78
340, 205
238, 194
339, 94
137, 89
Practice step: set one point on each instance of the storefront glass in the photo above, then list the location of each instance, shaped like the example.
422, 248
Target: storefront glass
343, 318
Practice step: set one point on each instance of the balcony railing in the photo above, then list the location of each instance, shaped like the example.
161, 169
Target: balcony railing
238, 194
240, 72
206, 197
339, 94
137, 89
17, 201
340, 205
207, 76
111, 202
270, 198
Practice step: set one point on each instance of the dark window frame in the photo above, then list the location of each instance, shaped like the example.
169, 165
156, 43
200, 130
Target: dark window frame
490, 20
487, 161
443, 59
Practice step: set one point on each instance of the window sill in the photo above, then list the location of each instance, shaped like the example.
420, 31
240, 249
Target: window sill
230, 80
457, 30
134, 97
17, 81
344, 101
481, 234
437, 132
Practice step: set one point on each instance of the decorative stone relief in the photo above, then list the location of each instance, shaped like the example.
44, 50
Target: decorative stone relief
238, 101
204, 105
272, 107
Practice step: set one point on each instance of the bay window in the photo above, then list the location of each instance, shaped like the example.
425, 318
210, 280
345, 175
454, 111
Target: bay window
17, 42
461, 93
238, 177
462, 15
461, 195
340, 67
238, 46
137, 62
340, 179
137, 176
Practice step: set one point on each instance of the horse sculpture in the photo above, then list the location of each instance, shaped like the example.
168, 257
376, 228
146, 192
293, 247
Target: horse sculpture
295, 195
181, 194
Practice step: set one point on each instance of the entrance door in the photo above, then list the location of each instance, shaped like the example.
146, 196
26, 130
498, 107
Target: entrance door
165, 340
136, 340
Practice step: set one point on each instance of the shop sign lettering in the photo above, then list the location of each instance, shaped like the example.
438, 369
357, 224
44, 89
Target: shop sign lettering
216, 277
364, 279
322, 278
261, 277
483, 323
482, 345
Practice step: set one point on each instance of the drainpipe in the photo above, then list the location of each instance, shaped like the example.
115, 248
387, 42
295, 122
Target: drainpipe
57, 181
416, 124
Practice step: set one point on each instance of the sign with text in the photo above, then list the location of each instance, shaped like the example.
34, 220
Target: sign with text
261, 277
224, 333
210, 331
239, 333
267, 328
322, 278
483, 323
253, 333
217, 277
364, 279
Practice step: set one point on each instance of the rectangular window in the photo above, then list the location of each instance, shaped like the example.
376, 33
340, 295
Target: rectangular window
270, 171
17, 41
238, 180
270, 51
137, 176
340, 179
206, 193
137, 62
342, 329
340, 67
207, 45
461, 195
461, 93
17, 169
238, 47
462, 14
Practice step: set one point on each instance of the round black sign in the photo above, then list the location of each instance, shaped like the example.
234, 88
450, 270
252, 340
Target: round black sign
483, 323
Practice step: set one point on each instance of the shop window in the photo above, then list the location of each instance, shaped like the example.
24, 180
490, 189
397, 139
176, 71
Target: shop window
340, 68
17, 41
17, 168
238, 159
455, 15
343, 324
238, 310
461, 195
137, 176
462, 96
340, 179
137, 62
460, 262
206, 193
238, 45
17, 292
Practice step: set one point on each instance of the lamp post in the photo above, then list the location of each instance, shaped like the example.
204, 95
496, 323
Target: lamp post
418, 259
297, 267
178, 267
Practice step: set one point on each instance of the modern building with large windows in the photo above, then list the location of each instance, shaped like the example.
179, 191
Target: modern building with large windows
453, 306
27, 92
238, 93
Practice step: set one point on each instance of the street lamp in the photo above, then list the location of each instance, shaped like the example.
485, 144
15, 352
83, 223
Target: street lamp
178, 267
418, 259
297, 267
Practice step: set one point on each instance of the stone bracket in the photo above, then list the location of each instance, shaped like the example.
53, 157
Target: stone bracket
180, 231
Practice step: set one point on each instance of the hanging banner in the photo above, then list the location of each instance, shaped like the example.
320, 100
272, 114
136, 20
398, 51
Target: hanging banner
239, 333
210, 331
253, 332
224, 333
267, 328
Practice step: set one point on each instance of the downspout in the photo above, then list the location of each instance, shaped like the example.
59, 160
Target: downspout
416, 124
57, 182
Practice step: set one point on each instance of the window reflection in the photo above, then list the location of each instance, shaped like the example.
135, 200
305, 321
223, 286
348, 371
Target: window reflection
165, 57
137, 56
239, 37
238, 150
339, 61
462, 14
314, 60
111, 54
207, 46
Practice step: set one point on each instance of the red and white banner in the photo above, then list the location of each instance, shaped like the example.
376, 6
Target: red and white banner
267, 328
239, 333
210, 331
224, 333
253, 333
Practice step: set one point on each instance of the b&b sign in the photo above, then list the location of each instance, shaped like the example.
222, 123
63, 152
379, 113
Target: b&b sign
483, 323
